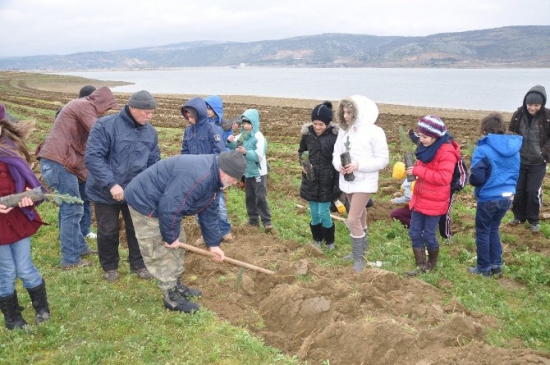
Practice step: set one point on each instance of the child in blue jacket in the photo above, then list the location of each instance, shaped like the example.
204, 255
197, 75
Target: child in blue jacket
494, 173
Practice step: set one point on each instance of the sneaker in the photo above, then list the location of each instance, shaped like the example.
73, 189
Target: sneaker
188, 292
91, 236
268, 228
315, 243
330, 247
515, 222
254, 224
228, 238
111, 276
476, 271
82, 263
142, 273
199, 241
535, 228
175, 301
496, 271
89, 252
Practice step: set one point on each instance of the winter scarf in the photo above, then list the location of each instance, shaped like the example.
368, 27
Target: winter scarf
427, 154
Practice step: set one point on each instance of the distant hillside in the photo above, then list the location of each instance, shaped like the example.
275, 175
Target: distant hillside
518, 46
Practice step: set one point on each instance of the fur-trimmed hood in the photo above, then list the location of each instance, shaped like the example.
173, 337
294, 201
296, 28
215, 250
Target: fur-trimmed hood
362, 109
308, 128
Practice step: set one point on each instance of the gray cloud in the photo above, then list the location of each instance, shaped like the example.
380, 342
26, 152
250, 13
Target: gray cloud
35, 27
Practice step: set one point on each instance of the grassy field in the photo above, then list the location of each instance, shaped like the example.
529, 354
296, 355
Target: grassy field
95, 322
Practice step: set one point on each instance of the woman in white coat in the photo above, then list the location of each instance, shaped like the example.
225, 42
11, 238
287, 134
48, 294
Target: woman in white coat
368, 149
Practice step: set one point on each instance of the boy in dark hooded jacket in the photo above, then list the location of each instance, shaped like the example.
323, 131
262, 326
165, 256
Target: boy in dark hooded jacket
532, 121
214, 112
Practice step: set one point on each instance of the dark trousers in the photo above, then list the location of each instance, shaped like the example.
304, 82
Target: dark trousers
256, 200
423, 230
403, 215
527, 201
445, 221
108, 236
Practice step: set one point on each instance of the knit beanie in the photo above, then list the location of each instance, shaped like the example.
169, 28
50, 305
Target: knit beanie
431, 126
533, 97
322, 112
142, 100
2, 111
399, 172
232, 163
86, 90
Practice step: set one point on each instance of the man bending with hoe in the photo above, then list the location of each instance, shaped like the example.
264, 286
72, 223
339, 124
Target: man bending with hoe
159, 198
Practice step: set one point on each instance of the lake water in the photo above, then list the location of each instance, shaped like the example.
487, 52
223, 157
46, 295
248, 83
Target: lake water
478, 89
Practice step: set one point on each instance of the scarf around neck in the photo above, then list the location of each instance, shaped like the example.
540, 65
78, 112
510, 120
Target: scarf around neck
427, 154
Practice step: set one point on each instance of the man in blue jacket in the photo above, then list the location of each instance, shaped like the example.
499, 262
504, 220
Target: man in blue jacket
120, 146
161, 196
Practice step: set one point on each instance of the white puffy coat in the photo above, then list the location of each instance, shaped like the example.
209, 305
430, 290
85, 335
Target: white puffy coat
368, 145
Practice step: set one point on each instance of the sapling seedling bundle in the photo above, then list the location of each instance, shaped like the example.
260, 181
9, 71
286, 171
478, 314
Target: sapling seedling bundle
36, 195
308, 168
345, 159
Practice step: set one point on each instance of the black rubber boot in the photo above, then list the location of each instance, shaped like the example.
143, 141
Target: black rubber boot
420, 258
328, 236
317, 233
175, 301
9, 306
39, 300
188, 292
358, 251
432, 258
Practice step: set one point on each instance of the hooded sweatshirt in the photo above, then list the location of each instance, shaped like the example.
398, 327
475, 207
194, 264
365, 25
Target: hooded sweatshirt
224, 126
534, 129
367, 144
495, 167
66, 142
250, 144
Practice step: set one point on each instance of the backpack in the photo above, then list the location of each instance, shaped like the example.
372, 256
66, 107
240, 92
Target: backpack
460, 176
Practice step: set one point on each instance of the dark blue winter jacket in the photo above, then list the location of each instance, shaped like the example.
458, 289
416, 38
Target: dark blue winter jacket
495, 167
118, 149
201, 138
180, 186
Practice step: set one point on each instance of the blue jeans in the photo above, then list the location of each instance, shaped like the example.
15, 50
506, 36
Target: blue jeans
86, 220
225, 226
320, 213
16, 261
489, 249
62, 181
423, 230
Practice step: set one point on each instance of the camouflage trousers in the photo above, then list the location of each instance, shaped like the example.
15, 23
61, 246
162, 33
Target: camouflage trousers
164, 264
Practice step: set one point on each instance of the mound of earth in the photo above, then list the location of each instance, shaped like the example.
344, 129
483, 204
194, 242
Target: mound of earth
376, 317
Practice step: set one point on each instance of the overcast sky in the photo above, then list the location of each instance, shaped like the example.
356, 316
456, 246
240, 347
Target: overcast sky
39, 27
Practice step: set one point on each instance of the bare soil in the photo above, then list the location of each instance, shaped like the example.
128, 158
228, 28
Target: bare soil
375, 317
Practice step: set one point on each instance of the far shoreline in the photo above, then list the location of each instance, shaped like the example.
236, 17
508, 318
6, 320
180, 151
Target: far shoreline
71, 84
